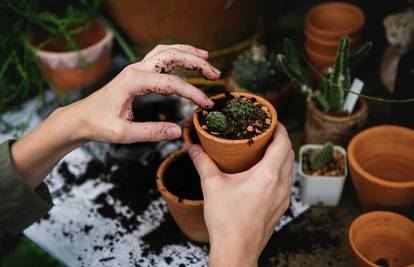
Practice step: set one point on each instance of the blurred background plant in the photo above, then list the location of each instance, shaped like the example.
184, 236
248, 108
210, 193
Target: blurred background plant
20, 76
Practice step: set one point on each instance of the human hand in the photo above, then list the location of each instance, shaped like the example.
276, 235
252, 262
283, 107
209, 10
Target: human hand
241, 210
106, 115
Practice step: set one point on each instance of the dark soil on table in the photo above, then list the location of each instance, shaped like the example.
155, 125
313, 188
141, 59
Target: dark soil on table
237, 128
336, 167
182, 179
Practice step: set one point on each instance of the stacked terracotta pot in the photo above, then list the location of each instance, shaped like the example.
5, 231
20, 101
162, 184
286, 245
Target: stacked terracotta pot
325, 24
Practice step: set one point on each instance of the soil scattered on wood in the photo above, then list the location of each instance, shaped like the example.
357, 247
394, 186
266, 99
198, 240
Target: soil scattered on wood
182, 179
335, 167
238, 128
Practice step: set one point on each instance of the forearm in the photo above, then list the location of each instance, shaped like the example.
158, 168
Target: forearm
231, 253
35, 155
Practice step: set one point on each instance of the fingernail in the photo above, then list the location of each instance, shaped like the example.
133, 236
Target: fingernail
194, 151
209, 103
217, 71
173, 133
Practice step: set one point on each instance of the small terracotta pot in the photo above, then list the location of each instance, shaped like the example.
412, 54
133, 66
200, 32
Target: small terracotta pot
237, 155
330, 21
327, 48
381, 161
64, 69
321, 127
276, 96
188, 214
189, 133
382, 238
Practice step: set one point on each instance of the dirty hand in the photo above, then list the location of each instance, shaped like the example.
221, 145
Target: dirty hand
241, 210
107, 114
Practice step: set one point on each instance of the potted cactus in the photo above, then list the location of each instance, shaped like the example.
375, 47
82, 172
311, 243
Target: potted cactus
255, 71
323, 170
237, 130
326, 119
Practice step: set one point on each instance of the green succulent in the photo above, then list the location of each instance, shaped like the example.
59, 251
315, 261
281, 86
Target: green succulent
216, 121
335, 81
255, 69
240, 110
322, 157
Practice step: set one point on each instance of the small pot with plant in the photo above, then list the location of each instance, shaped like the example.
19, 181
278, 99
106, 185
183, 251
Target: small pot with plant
73, 48
255, 71
179, 185
237, 130
329, 117
323, 169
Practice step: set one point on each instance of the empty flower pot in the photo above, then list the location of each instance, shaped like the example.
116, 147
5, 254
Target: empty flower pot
324, 190
382, 238
319, 61
234, 156
331, 21
71, 70
177, 174
381, 161
321, 127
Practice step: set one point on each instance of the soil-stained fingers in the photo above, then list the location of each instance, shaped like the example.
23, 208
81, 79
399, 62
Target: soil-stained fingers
184, 47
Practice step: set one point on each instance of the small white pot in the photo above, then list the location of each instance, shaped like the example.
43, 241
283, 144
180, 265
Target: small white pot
324, 190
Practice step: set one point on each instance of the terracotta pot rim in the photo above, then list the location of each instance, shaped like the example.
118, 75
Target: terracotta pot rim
334, 5
231, 85
363, 107
360, 170
382, 214
354, 38
266, 103
160, 180
310, 50
107, 38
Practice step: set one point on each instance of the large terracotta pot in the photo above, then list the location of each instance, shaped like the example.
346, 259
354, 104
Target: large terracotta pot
188, 214
331, 21
321, 127
381, 161
236, 155
64, 68
277, 96
382, 238
209, 24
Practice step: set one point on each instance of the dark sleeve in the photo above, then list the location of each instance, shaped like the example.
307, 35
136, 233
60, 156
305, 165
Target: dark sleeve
20, 205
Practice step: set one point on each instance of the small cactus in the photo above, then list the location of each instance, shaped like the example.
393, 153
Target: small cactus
335, 82
322, 157
216, 121
240, 110
255, 69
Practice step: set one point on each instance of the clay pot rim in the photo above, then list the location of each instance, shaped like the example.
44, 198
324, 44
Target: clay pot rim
161, 175
259, 99
86, 50
372, 214
363, 107
354, 38
232, 86
361, 171
310, 50
334, 5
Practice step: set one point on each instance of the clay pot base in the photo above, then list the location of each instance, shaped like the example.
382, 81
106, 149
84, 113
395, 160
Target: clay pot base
384, 238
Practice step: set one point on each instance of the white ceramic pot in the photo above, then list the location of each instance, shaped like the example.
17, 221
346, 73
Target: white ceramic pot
323, 190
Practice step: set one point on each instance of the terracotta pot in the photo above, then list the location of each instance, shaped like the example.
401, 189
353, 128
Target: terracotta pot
382, 238
237, 155
321, 127
189, 133
276, 96
381, 161
319, 61
64, 69
327, 48
188, 214
210, 24
330, 21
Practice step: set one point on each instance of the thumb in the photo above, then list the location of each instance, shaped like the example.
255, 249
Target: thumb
204, 165
151, 131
